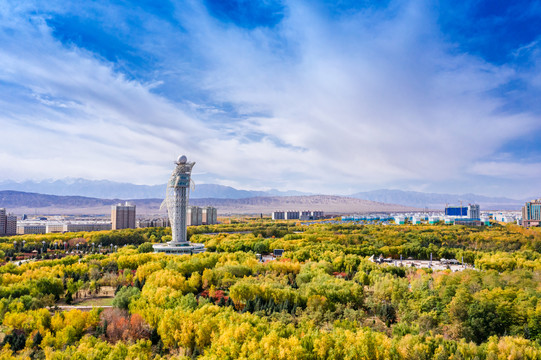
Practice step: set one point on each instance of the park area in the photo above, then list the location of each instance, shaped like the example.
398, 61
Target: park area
324, 298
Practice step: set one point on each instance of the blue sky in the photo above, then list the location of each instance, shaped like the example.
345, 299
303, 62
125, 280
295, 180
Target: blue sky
318, 96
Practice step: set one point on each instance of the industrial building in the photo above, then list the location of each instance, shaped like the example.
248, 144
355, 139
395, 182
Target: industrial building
531, 213
8, 223
123, 216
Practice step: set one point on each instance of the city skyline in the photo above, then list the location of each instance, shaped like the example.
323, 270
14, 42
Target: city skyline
307, 96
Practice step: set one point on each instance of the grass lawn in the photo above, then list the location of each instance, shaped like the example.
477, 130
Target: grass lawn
96, 302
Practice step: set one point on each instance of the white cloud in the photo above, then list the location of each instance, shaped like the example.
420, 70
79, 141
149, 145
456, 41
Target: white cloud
508, 170
373, 101
366, 101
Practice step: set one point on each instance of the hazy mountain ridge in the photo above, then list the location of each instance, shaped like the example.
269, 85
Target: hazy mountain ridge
105, 189
437, 201
21, 202
14, 199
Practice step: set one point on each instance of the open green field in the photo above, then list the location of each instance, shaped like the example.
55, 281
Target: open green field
95, 302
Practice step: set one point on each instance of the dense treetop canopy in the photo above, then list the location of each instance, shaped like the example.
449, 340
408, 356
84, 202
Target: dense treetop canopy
323, 299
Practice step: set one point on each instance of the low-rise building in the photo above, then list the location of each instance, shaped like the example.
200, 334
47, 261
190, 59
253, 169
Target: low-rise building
157, 222
505, 217
63, 226
29, 228
54, 227
87, 226
292, 215
298, 215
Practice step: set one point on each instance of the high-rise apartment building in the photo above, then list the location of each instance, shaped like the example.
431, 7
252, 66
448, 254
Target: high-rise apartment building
531, 213
194, 216
123, 216
11, 225
3, 222
210, 215
8, 223
474, 211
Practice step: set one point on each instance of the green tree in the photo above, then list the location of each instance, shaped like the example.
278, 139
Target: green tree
125, 295
145, 248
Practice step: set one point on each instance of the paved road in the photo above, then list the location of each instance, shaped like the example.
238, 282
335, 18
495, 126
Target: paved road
78, 307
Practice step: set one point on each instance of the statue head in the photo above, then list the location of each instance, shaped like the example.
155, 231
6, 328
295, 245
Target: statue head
181, 160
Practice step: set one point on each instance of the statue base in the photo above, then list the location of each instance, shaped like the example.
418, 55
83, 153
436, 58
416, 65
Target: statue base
180, 248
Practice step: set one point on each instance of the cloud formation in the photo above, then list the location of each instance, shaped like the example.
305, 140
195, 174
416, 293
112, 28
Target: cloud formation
312, 97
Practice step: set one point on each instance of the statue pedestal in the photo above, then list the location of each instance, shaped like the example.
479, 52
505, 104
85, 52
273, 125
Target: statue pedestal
179, 248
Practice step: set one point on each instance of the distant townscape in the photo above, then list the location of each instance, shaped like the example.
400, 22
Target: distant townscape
123, 216
470, 215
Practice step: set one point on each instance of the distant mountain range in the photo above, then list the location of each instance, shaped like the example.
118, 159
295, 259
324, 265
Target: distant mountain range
31, 203
104, 189
438, 201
